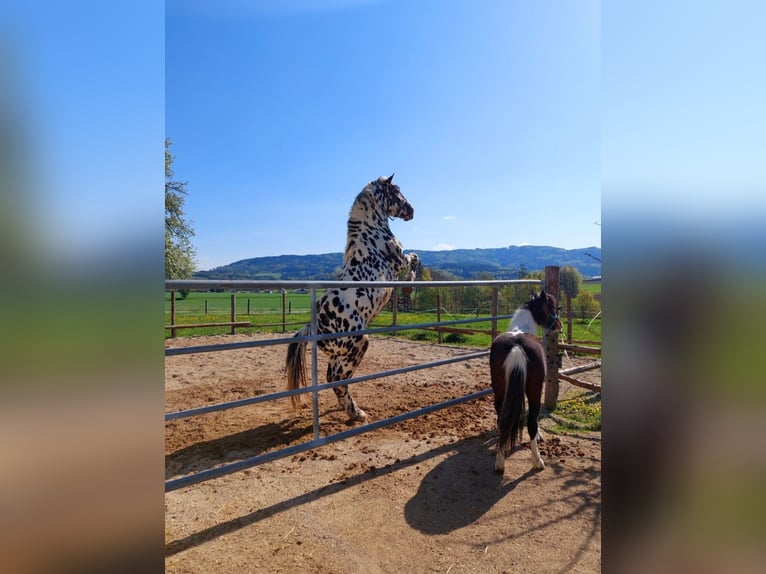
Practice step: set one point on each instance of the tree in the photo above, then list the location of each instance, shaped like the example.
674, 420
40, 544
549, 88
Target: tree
180, 254
513, 296
569, 281
586, 304
425, 297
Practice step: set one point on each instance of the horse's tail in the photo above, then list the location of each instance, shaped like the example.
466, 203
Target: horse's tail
510, 419
296, 368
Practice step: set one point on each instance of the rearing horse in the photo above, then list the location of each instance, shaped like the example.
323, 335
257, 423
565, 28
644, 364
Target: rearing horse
517, 368
372, 254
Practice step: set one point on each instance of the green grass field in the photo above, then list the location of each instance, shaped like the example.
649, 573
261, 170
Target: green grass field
592, 288
264, 311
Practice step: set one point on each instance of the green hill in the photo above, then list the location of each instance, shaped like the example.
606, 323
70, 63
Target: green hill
502, 263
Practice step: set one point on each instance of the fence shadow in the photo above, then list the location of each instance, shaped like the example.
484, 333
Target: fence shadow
238, 446
454, 494
472, 447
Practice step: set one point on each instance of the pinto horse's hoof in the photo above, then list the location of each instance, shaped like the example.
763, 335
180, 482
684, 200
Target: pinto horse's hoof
499, 463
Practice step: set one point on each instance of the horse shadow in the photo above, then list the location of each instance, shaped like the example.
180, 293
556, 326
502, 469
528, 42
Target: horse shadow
207, 454
459, 490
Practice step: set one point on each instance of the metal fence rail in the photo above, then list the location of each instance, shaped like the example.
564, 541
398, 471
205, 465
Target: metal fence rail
315, 387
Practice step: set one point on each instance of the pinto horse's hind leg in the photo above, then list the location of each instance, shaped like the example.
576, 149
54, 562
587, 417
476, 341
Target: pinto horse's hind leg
534, 434
343, 367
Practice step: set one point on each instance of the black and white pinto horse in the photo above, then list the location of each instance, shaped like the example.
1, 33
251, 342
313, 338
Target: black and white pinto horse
372, 254
517, 367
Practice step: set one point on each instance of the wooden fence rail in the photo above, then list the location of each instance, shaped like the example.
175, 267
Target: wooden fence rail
566, 376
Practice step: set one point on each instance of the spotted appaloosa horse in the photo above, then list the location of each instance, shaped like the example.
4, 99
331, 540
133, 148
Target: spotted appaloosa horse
517, 367
372, 254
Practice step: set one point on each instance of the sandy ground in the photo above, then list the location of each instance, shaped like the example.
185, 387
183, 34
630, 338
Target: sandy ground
418, 496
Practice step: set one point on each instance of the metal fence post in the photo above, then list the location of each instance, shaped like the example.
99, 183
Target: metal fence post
314, 359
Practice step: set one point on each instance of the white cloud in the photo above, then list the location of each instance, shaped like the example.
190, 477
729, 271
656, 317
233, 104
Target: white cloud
443, 247
449, 217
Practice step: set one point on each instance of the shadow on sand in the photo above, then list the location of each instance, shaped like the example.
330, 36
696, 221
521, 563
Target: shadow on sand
417, 514
458, 491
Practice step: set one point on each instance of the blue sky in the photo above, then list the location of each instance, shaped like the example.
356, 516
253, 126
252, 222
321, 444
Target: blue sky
488, 112
505, 122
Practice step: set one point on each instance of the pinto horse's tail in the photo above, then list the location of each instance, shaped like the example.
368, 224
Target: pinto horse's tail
295, 366
510, 419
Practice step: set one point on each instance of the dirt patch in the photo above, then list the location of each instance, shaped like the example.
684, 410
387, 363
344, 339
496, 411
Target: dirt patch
418, 496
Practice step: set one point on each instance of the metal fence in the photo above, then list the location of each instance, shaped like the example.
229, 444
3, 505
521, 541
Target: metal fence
314, 287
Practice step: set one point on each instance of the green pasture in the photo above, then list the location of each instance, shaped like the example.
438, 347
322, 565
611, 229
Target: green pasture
220, 303
592, 288
264, 311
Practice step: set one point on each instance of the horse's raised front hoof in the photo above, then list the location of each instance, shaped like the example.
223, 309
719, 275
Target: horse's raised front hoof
538, 465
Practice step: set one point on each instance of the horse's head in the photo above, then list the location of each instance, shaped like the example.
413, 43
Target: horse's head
391, 200
544, 309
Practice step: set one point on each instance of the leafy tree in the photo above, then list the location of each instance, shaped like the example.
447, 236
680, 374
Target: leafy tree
586, 304
569, 281
442, 275
180, 254
425, 274
513, 296
425, 297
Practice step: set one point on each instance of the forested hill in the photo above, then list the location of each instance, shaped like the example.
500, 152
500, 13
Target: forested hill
502, 263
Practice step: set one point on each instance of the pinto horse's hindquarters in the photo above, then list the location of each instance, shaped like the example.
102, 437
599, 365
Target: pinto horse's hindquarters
532, 347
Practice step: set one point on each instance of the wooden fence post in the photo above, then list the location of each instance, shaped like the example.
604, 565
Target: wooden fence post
284, 296
569, 318
395, 297
550, 342
172, 312
439, 314
233, 311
